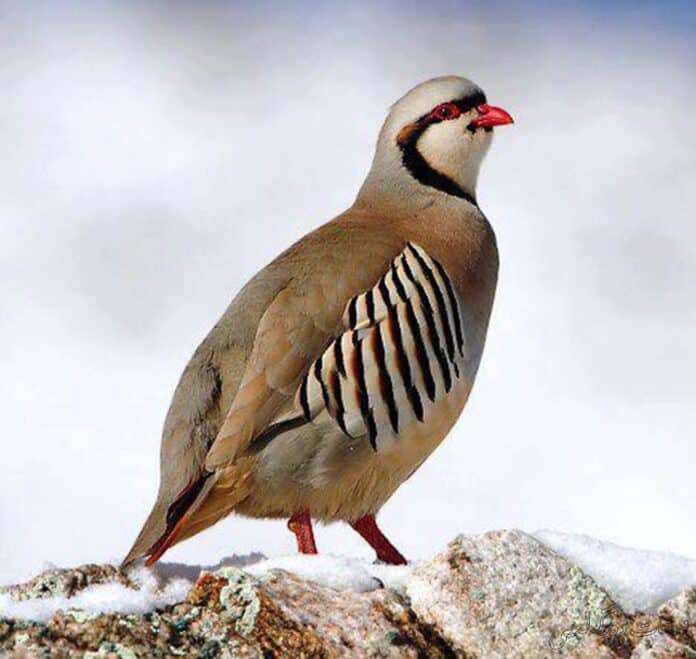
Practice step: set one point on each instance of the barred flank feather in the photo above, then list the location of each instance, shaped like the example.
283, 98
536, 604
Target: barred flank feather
402, 349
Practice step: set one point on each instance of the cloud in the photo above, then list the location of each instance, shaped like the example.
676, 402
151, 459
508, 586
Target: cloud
154, 160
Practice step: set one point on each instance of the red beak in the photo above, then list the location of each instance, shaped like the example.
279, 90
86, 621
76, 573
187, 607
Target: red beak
490, 116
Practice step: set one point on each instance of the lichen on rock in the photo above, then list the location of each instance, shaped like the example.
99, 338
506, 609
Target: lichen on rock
111, 651
240, 599
60, 582
678, 616
500, 594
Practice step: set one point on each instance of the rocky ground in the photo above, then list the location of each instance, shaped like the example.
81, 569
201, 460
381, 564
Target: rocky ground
501, 594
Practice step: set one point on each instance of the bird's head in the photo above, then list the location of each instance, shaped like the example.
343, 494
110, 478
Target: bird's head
436, 136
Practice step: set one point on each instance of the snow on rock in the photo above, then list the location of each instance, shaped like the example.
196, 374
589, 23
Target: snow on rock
638, 580
168, 583
503, 593
338, 572
230, 612
112, 597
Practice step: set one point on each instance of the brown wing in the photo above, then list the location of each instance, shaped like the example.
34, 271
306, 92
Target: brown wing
293, 330
203, 394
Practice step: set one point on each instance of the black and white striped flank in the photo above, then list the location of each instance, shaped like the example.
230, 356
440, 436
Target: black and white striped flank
402, 350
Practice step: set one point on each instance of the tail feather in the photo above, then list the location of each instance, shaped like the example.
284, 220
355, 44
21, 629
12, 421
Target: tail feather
152, 530
204, 501
154, 544
165, 542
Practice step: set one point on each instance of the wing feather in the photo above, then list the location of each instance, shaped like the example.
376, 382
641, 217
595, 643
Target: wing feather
398, 350
397, 355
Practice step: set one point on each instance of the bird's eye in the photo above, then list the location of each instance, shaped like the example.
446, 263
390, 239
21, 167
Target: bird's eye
445, 111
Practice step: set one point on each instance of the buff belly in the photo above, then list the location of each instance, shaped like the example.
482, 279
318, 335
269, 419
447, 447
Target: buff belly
320, 469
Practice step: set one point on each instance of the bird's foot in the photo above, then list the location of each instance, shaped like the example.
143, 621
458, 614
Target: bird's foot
386, 551
301, 525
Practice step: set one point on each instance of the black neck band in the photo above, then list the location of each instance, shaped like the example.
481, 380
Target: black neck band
419, 167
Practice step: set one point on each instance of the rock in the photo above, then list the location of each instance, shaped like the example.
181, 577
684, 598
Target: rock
231, 613
658, 645
505, 594
58, 582
500, 594
678, 615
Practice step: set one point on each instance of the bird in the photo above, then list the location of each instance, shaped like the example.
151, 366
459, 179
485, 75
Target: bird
340, 366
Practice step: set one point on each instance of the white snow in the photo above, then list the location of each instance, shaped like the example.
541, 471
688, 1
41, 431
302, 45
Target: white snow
638, 580
102, 598
168, 583
339, 572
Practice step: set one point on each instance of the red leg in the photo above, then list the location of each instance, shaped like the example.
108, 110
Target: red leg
301, 525
386, 551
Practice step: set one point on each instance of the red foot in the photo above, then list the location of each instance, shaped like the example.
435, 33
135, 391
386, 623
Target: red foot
301, 525
386, 551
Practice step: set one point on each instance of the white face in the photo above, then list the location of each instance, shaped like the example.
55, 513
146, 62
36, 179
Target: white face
455, 149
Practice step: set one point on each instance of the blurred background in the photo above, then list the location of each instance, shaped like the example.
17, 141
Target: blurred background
153, 156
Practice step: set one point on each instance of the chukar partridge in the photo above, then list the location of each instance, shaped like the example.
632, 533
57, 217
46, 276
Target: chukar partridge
339, 367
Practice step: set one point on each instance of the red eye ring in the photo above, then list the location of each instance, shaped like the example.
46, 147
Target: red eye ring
445, 111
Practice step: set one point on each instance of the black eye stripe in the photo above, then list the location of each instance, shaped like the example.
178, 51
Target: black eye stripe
464, 104
470, 102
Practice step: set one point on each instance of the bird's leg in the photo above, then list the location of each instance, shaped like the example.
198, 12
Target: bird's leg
386, 551
301, 525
